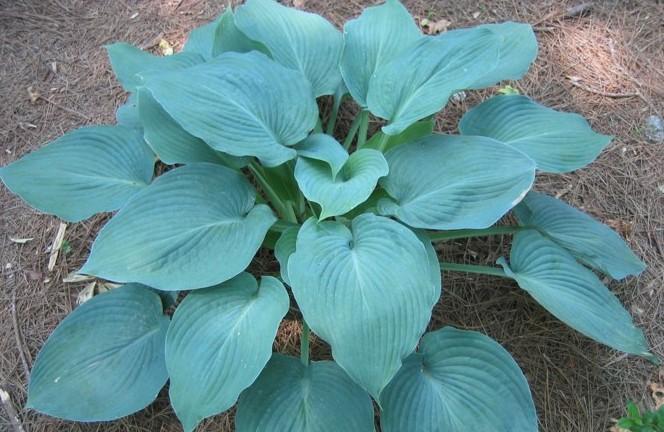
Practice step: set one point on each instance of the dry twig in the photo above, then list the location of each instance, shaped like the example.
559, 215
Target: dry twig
14, 420
576, 83
18, 339
569, 12
57, 244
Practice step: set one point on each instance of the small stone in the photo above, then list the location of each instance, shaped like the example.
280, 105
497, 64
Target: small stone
655, 129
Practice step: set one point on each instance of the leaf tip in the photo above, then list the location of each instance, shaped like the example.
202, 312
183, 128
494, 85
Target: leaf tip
652, 358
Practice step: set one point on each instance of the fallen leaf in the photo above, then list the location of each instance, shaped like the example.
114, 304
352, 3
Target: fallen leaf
20, 240
107, 286
657, 391
165, 47
508, 90
74, 277
622, 227
33, 275
476, 15
134, 15
435, 27
86, 293
564, 191
299, 3
57, 244
34, 94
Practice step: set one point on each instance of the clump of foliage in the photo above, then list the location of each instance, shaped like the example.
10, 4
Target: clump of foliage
351, 224
649, 421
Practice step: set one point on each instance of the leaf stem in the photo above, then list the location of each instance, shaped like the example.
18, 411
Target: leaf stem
468, 233
364, 127
304, 343
353, 131
290, 212
282, 225
332, 121
383, 142
272, 195
471, 268
319, 126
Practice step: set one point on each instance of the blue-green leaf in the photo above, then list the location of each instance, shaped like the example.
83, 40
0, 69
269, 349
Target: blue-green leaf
283, 250
572, 293
128, 61
559, 142
517, 51
299, 40
127, 113
194, 227
324, 148
105, 360
419, 82
590, 241
171, 143
219, 36
338, 193
219, 341
367, 290
86, 171
240, 104
459, 381
289, 396
454, 182
377, 36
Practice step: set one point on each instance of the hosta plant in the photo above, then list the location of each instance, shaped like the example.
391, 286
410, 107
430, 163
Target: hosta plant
250, 161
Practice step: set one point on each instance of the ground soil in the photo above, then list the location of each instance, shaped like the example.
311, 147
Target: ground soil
605, 64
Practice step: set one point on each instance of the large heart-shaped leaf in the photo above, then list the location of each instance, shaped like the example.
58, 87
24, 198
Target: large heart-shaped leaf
377, 36
171, 143
105, 360
458, 381
559, 142
241, 104
128, 61
219, 36
289, 396
219, 341
339, 187
368, 291
454, 182
518, 50
194, 227
299, 40
572, 293
86, 171
418, 83
590, 241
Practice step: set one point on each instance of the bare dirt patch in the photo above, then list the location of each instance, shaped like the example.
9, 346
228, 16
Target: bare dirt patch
606, 65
